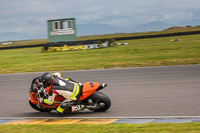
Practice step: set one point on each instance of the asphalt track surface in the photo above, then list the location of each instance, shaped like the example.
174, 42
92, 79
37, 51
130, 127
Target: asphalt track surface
134, 92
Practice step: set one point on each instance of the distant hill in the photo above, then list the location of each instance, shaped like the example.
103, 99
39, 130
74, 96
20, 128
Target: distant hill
15, 36
98, 29
176, 28
152, 26
101, 29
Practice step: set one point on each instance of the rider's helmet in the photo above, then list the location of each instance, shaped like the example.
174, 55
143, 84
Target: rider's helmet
57, 74
46, 79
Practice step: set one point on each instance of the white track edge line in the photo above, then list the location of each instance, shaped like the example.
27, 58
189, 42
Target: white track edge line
131, 117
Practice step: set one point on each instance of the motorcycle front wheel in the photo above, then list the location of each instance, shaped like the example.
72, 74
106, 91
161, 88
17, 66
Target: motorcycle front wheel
38, 108
101, 100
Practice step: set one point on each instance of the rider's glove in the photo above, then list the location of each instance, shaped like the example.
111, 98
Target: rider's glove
79, 83
47, 102
40, 99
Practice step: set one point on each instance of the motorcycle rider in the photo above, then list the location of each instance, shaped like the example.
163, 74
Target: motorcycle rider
55, 85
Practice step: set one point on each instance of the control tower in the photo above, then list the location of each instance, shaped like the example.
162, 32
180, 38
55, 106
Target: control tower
61, 30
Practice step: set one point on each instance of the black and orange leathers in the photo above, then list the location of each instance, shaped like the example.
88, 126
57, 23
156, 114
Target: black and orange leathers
68, 88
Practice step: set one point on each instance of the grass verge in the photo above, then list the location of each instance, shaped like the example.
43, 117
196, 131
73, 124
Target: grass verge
109, 128
152, 52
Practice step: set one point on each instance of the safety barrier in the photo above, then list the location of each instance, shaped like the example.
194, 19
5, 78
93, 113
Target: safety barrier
158, 35
24, 46
76, 45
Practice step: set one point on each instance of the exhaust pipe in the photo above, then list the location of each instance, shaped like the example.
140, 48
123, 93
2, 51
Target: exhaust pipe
102, 86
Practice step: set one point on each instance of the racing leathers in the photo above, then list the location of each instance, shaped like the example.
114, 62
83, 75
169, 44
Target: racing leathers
68, 88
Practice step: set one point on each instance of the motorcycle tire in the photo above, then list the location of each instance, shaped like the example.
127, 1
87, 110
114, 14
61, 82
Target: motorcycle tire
100, 98
39, 109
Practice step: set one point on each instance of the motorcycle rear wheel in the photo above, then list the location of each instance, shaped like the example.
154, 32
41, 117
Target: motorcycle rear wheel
100, 99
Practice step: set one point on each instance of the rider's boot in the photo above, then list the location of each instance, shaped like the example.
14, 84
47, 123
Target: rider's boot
77, 108
63, 107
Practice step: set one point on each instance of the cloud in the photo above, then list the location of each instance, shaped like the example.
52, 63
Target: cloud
30, 16
177, 17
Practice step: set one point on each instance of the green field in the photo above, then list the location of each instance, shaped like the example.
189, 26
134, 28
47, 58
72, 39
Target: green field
110, 36
139, 53
109, 128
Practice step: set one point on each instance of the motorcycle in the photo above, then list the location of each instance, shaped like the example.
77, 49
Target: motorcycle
90, 97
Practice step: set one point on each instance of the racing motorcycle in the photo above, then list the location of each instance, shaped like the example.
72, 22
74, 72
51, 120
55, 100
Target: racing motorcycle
90, 97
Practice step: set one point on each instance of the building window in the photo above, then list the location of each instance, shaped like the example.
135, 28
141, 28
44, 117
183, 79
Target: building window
66, 25
56, 25
59, 25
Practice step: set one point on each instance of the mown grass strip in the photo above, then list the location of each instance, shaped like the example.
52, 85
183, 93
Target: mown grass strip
109, 128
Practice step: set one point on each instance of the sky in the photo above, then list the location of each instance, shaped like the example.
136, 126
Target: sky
30, 16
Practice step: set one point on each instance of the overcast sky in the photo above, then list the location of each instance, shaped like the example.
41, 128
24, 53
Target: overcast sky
29, 16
